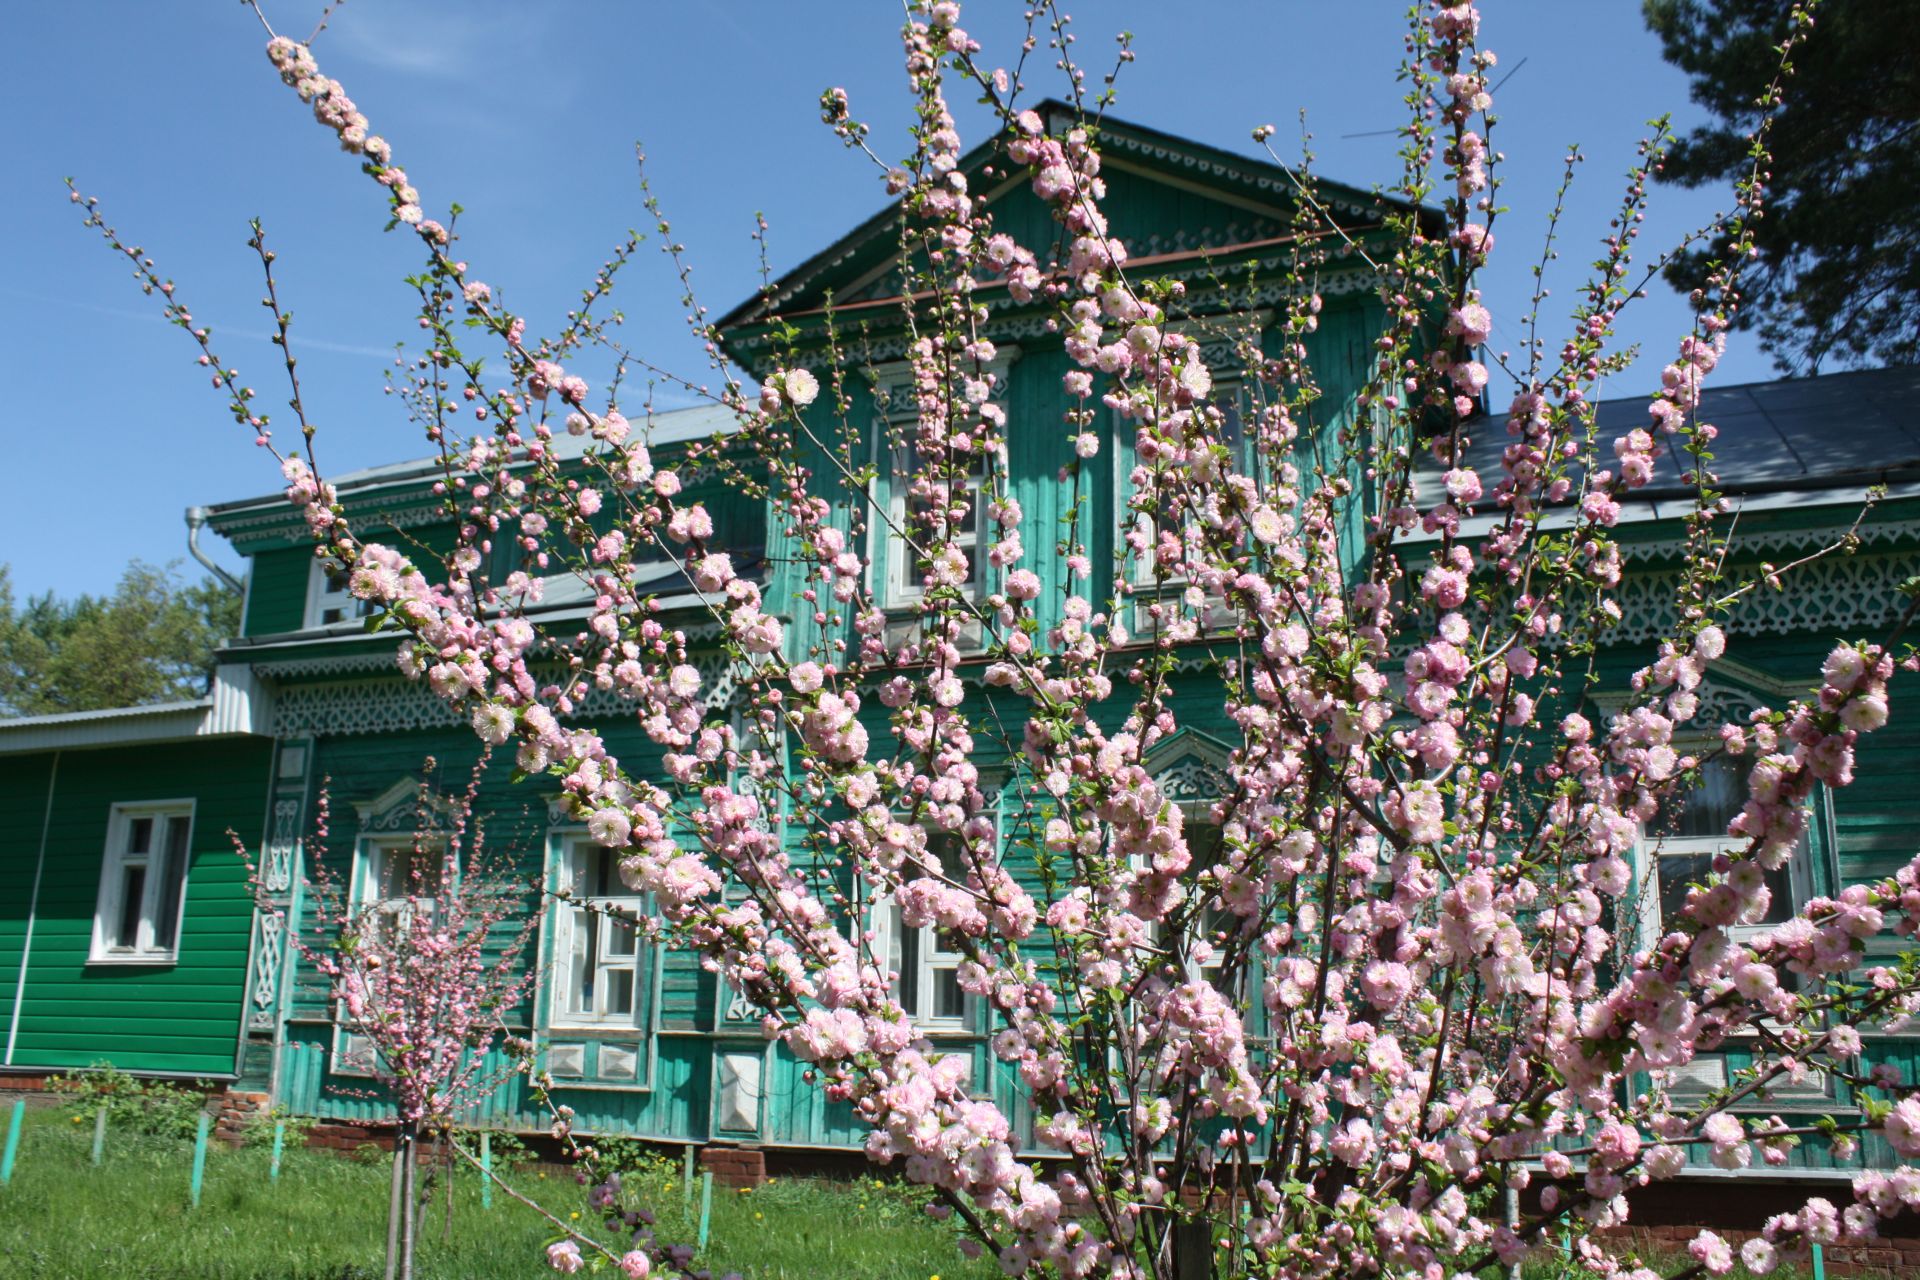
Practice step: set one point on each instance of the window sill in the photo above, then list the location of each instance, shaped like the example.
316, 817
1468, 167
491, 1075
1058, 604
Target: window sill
147, 960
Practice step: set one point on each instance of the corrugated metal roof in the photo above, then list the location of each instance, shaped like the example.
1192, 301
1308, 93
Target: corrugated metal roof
238, 704
1836, 431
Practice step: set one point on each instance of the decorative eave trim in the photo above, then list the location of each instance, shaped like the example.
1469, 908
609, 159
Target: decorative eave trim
1035, 324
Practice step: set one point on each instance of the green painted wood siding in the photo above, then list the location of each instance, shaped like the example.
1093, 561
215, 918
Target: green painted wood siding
277, 591
23, 808
179, 1017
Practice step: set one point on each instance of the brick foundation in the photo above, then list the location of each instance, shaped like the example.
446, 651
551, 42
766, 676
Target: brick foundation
236, 1110
735, 1166
1897, 1256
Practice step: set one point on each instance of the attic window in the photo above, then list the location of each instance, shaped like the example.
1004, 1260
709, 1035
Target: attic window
328, 599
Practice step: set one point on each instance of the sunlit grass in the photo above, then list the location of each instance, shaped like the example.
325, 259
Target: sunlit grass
325, 1219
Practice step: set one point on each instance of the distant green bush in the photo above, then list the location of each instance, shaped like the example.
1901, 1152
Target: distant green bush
157, 1107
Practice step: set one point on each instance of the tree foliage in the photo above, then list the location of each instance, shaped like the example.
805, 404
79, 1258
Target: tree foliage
1837, 279
150, 641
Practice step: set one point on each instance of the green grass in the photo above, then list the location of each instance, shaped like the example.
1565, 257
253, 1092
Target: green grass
325, 1219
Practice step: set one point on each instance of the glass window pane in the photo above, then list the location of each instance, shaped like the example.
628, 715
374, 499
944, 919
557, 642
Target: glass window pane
948, 1000
173, 878
580, 974
133, 889
618, 938
619, 991
1678, 871
407, 872
1706, 810
906, 962
947, 849
139, 835
1203, 842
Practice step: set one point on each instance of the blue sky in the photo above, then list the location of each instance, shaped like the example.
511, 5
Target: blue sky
527, 115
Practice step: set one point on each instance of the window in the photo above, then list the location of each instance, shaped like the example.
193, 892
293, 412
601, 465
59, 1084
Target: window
1142, 532
1691, 830
596, 954
926, 958
912, 498
1203, 845
328, 599
143, 883
398, 877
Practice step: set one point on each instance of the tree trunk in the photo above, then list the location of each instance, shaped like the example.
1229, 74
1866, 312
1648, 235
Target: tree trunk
412, 1202
1193, 1249
445, 1145
393, 1209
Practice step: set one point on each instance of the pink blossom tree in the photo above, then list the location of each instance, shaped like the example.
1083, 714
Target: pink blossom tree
426, 966
1399, 981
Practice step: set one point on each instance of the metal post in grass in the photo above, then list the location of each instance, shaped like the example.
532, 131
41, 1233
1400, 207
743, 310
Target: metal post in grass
199, 1160
686, 1179
100, 1134
1819, 1263
486, 1171
13, 1140
706, 1210
279, 1142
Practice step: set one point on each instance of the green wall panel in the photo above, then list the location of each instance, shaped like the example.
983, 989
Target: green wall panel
183, 1016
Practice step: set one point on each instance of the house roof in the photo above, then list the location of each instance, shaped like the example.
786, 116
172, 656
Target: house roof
1791, 442
1210, 165
235, 706
675, 426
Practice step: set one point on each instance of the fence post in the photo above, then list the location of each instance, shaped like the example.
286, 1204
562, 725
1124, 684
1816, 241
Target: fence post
13, 1140
686, 1179
706, 1210
100, 1133
279, 1142
199, 1160
486, 1170
1819, 1263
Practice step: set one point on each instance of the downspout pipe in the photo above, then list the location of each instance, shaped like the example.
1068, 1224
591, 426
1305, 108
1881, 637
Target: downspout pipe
197, 520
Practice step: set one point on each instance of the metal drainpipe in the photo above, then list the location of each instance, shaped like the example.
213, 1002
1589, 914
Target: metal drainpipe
196, 520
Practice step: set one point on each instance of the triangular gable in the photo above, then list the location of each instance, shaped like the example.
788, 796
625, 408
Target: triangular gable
1169, 198
1191, 768
399, 809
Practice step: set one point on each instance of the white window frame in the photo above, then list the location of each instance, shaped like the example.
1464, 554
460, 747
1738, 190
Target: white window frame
1654, 849
111, 905
901, 586
355, 1054
893, 582
1141, 570
370, 863
930, 958
1708, 1070
593, 933
323, 596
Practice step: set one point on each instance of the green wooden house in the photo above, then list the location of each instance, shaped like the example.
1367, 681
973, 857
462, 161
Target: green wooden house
640, 1040
125, 914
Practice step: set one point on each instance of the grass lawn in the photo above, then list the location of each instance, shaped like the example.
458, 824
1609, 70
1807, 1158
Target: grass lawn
325, 1219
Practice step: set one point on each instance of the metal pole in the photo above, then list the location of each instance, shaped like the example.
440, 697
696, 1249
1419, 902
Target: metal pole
13, 1140
199, 1160
279, 1142
706, 1210
686, 1179
1819, 1263
100, 1133
486, 1170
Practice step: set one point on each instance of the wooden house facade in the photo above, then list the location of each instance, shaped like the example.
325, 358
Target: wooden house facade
640, 1040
